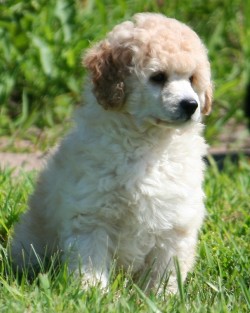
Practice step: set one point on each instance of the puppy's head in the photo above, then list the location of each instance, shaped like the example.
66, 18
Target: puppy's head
154, 68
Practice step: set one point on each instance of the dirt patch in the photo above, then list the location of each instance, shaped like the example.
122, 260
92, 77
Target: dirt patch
20, 154
233, 140
22, 161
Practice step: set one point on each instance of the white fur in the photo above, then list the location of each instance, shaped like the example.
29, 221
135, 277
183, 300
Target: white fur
124, 184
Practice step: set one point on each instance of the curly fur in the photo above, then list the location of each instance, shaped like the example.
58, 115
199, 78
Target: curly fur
126, 183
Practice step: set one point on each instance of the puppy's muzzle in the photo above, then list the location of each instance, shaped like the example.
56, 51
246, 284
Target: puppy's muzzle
188, 107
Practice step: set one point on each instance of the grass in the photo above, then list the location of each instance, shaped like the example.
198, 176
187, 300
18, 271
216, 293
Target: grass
41, 44
220, 281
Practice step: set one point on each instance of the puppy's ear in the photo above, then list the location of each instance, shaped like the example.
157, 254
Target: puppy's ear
108, 67
208, 100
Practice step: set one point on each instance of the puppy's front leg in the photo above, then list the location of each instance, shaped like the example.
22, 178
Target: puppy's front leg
87, 254
167, 256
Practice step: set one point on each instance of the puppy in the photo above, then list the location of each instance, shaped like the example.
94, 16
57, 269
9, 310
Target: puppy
126, 183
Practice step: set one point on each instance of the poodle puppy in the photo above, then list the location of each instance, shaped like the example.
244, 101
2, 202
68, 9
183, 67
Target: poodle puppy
126, 183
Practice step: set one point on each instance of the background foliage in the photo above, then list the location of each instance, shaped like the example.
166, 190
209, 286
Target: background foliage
41, 44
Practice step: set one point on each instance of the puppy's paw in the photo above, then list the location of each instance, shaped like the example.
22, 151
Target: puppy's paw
94, 280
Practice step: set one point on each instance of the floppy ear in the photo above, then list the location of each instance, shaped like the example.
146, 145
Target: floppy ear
208, 100
108, 67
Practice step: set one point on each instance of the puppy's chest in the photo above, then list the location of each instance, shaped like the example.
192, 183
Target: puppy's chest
144, 187
142, 184
147, 175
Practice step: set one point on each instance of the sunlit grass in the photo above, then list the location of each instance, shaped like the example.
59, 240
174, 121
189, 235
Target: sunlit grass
219, 283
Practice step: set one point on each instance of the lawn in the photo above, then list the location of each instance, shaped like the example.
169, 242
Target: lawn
41, 44
219, 283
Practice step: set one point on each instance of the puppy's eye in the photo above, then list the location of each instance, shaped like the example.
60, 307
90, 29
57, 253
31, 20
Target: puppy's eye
158, 78
191, 79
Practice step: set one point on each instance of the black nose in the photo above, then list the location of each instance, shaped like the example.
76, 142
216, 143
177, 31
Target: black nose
189, 106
